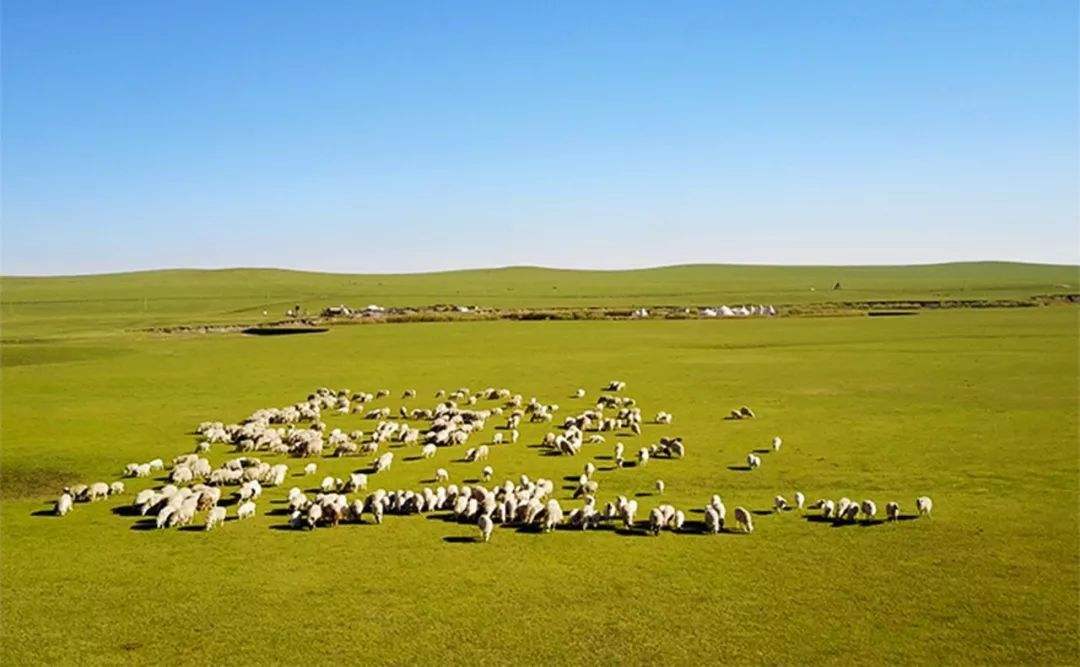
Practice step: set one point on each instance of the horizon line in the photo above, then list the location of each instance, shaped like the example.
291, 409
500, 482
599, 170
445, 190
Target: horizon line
510, 267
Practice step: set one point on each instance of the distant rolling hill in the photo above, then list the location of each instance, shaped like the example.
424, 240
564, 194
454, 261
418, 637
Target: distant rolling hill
123, 300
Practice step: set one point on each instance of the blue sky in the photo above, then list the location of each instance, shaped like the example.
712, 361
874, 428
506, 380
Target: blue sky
408, 136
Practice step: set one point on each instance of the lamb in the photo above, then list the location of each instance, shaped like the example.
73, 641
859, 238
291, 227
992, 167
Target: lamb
660, 486
744, 519
246, 510
64, 504
216, 517
776, 442
486, 525
892, 511
869, 509
924, 505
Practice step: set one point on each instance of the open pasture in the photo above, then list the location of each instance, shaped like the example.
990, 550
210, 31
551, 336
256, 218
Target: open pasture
977, 409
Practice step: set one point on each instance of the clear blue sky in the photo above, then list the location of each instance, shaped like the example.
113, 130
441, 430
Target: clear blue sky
406, 136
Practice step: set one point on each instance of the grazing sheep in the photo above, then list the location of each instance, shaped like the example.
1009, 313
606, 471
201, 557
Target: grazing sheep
744, 519
497, 439
924, 505
776, 442
97, 491
215, 517
656, 521
780, 504
800, 500
384, 462
660, 486
64, 504
310, 469
828, 509
246, 510
164, 516
428, 451
713, 523
629, 509
116, 488
850, 513
328, 484
590, 470
753, 461
487, 473
442, 476
892, 511
580, 393
643, 456
486, 525
869, 510
677, 520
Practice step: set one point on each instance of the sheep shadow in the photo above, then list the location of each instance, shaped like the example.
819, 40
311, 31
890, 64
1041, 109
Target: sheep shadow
280, 511
471, 480
460, 539
144, 524
571, 478
49, 512
445, 517
762, 512
192, 529
612, 468
642, 494
413, 458
125, 510
604, 457
763, 451
740, 468
632, 532
870, 523
284, 526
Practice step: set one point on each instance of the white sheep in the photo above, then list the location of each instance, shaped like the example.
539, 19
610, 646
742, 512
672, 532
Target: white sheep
97, 491
486, 525
660, 486
590, 470
497, 439
678, 520
64, 504
776, 442
800, 500
442, 476
246, 510
643, 456
487, 473
924, 505
116, 488
744, 519
310, 469
656, 521
428, 451
216, 517
328, 484
712, 520
780, 504
753, 461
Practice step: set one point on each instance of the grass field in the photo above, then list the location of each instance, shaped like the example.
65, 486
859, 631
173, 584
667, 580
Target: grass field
977, 409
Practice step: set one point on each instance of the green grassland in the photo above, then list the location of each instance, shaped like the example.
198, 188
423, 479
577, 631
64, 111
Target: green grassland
976, 408
109, 303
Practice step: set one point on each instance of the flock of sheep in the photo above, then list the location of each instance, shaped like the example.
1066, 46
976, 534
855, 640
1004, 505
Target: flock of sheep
196, 486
